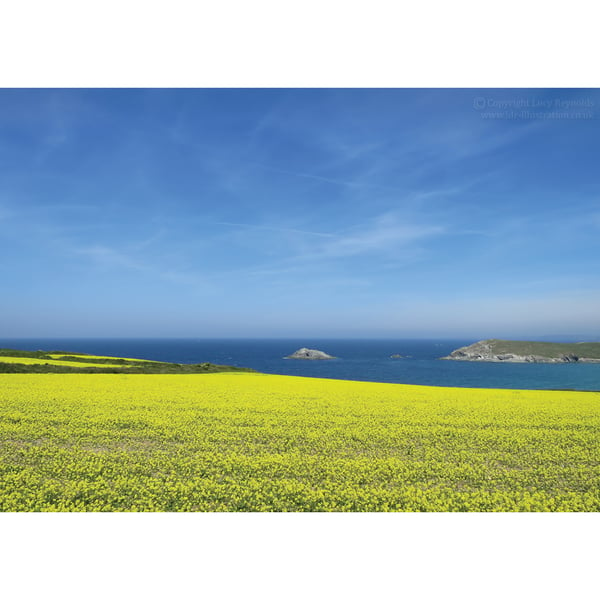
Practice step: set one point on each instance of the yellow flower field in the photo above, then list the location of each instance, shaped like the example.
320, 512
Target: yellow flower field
24, 360
252, 442
90, 356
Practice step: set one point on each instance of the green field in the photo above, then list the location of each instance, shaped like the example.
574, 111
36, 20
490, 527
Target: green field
40, 361
253, 442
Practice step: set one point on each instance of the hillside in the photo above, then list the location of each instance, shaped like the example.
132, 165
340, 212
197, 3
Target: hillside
23, 361
520, 351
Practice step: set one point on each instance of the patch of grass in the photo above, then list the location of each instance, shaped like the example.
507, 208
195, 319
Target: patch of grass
24, 353
20, 361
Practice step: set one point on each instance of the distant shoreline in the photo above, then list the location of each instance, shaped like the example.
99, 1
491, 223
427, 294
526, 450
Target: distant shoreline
510, 351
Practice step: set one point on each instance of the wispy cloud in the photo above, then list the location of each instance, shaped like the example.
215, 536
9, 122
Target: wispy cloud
389, 237
110, 258
275, 229
349, 183
386, 232
150, 240
107, 257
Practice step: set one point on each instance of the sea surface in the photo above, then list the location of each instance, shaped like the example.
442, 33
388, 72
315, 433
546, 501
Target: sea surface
360, 360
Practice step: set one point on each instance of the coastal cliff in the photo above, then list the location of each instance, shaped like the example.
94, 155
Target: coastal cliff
527, 352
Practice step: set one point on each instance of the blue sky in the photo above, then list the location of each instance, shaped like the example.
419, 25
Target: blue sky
290, 213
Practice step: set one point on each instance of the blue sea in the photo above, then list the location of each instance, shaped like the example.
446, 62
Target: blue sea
360, 360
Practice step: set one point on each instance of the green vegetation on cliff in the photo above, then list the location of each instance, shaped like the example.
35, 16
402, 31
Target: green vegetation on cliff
518, 351
546, 349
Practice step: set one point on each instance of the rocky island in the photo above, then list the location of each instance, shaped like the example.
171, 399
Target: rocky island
308, 354
527, 352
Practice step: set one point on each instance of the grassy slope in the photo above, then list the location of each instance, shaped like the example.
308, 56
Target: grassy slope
26, 360
252, 442
23, 361
78, 356
547, 349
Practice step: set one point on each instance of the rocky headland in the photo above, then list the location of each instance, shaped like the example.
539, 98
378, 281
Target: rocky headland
527, 352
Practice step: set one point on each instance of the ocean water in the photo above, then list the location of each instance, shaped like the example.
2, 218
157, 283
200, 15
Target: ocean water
360, 360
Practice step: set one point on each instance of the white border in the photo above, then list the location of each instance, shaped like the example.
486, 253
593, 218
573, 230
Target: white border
298, 556
313, 43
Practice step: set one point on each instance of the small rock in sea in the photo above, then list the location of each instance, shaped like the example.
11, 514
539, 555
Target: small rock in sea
396, 356
308, 354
